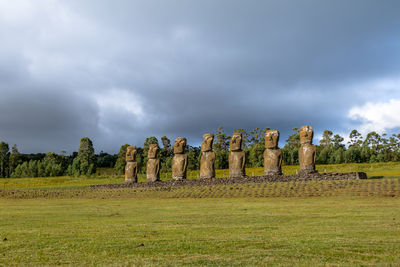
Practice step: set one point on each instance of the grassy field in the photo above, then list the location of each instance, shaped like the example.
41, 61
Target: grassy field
104, 176
60, 221
213, 232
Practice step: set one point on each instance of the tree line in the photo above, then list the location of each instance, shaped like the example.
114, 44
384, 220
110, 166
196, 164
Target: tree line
330, 150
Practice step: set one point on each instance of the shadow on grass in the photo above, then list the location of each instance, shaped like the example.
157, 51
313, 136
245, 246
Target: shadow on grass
375, 177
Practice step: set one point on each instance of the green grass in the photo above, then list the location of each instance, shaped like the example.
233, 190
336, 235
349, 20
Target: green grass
104, 175
60, 221
214, 232
345, 188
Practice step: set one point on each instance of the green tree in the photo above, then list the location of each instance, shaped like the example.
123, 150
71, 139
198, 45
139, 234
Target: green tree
105, 160
119, 167
85, 162
15, 158
166, 154
326, 139
221, 149
4, 159
222, 142
355, 138
290, 151
256, 155
193, 158
256, 136
338, 141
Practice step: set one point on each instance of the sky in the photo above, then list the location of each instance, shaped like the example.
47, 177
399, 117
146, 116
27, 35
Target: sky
120, 71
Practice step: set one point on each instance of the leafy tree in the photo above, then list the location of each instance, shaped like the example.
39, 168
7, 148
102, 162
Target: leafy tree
221, 149
338, 141
193, 158
256, 155
221, 159
15, 158
4, 157
256, 136
290, 151
119, 167
50, 166
166, 155
326, 139
255, 151
323, 154
355, 138
85, 162
222, 142
105, 160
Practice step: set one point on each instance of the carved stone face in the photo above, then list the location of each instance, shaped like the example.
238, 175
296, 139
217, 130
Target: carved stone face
153, 151
271, 139
180, 145
236, 142
207, 143
130, 154
306, 135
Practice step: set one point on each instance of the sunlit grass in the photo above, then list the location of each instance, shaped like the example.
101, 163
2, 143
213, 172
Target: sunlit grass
105, 176
60, 221
370, 187
318, 231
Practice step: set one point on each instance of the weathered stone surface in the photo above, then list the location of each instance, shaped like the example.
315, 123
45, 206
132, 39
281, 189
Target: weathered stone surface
153, 164
307, 151
131, 171
168, 185
180, 160
272, 154
179, 145
207, 169
207, 143
131, 167
237, 157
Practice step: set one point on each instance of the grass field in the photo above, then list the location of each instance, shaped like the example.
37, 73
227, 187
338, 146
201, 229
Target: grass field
214, 232
60, 221
104, 176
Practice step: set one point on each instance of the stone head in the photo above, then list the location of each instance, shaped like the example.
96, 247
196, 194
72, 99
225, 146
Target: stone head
207, 143
180, 145
153, 151
271, 139
130, 154
236, 142
306, 135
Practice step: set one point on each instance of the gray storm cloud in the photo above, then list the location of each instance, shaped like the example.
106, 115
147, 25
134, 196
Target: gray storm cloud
120, 71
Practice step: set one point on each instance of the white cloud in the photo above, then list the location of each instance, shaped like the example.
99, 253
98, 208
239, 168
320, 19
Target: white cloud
379, 116
116, 103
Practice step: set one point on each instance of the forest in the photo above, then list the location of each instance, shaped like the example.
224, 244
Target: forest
330, 150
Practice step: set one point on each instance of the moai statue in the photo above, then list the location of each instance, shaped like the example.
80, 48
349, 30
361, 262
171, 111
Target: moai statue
237, 157
131, 167
307, 151
153, 164
180, 159
272, 154
207, 160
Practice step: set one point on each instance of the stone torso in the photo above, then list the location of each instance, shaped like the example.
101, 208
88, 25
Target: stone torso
207, 160
236, 163
153, 170
131, 170
273, 161
179, 166
307, 155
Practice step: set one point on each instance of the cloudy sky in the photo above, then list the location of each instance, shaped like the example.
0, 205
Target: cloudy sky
120, 71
